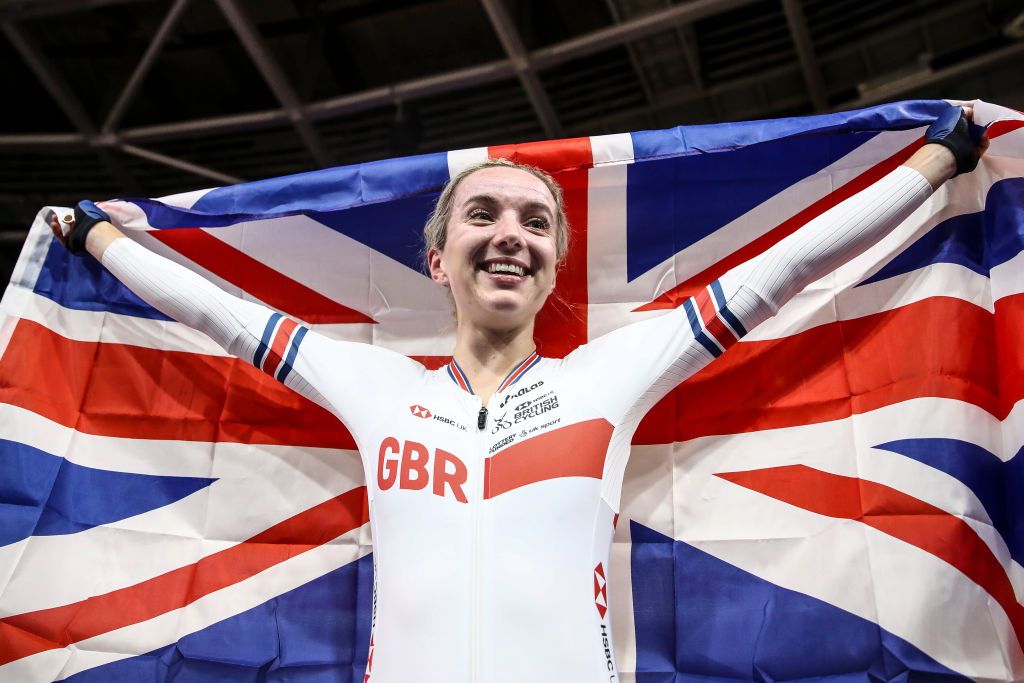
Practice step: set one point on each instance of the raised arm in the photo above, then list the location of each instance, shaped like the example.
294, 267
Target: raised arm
664, 351
244, 329
754, 291
167, 286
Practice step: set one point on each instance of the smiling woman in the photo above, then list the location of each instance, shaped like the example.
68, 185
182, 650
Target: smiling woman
493, 500
495, 240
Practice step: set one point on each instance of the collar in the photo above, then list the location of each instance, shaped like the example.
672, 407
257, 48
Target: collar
459, 377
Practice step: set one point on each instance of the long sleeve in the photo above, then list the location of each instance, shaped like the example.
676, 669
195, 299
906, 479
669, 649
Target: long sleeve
642, 362
181, 294
245, 329
350, 379
757, 289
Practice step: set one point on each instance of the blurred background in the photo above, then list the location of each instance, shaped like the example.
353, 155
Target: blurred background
117, 98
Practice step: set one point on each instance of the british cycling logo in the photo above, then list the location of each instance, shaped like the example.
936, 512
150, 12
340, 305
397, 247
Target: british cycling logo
521, 392
526, 410
419, 411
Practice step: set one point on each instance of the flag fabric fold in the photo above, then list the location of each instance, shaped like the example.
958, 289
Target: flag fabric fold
835, 498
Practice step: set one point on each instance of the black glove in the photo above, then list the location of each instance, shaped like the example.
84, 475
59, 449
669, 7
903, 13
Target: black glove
87, 215
960, 136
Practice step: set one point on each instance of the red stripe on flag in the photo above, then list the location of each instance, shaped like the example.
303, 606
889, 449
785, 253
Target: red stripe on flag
895, 513
562, 323
255, 277
580, 447
1003, 127
276, 352
844, 368
712, 322
33, 632
674, 297
139, 393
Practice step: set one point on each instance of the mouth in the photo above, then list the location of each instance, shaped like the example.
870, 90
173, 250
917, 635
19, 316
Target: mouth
505, 268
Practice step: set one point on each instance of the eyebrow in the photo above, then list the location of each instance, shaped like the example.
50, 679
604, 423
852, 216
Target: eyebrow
529, 205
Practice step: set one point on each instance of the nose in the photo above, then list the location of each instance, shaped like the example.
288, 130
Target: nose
508, 233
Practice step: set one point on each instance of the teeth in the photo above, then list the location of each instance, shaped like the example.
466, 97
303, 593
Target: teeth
505, 268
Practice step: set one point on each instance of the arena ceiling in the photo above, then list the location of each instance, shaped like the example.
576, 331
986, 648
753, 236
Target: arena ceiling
108, 98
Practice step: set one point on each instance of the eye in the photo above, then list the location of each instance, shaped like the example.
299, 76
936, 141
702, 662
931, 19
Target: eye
480, 215
537, 223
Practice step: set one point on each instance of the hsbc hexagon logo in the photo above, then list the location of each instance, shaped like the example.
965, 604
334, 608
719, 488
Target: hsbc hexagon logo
600, 590
420, 411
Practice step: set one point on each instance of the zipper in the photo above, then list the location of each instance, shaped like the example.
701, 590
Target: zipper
476, 500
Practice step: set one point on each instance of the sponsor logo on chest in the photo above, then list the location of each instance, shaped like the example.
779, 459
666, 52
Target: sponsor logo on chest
524, 411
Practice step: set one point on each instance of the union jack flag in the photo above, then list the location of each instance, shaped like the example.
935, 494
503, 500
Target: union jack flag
836, 497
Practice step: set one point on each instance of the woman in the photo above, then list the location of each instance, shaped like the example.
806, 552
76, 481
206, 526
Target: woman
494, 482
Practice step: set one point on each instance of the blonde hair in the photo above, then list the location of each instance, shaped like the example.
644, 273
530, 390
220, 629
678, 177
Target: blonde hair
435, 232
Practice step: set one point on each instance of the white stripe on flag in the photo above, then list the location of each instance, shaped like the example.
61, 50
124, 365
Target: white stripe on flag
168, 628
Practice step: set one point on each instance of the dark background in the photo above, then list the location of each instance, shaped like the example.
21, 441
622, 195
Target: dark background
109, 98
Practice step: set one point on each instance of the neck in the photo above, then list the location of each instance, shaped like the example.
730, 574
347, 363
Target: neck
487, 356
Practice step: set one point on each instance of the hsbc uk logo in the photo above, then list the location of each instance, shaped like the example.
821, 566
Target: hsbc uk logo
600, 590
423, 412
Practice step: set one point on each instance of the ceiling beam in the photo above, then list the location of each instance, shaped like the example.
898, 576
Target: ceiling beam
69, 103
632, 30
155, 45
275, 79
449, 81
805, 52
514, 48
1011, 54
179, 164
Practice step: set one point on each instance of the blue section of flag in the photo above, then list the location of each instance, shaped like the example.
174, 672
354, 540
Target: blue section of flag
674, 202
990, 479
81, 283
394, 229
44, 495
317, 632
722, 137
682, 191
701, 619
979, 241
332, 189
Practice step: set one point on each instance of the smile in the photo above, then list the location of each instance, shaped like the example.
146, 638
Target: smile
504, 268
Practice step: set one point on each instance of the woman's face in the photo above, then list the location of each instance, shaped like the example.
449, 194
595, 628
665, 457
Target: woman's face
499, 258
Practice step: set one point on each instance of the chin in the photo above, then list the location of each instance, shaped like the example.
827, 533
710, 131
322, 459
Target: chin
504, 313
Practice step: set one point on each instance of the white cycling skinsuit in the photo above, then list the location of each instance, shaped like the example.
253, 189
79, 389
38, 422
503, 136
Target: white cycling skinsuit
492, 524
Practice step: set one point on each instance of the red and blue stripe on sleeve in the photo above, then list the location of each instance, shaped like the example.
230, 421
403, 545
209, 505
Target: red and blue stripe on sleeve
279, 346
714, 326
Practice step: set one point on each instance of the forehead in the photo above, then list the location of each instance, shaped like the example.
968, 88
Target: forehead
504, 183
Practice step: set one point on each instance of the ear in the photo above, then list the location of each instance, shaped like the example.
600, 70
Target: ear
437, 273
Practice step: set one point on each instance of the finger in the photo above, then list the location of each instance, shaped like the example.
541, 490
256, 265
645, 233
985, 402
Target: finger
969, 112
67, 224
